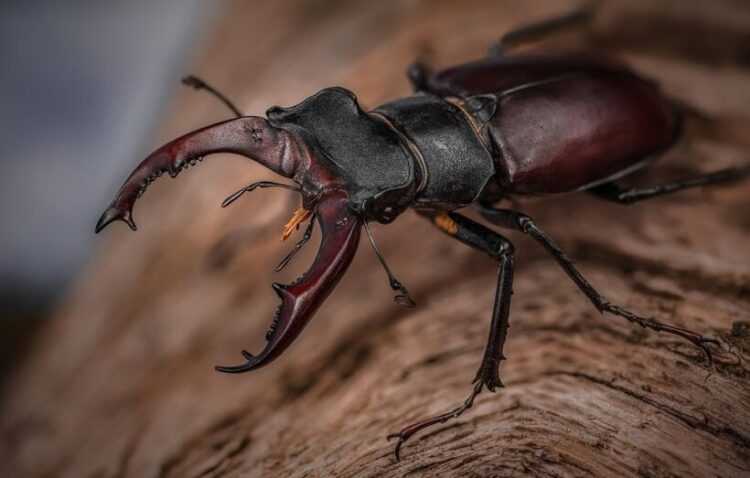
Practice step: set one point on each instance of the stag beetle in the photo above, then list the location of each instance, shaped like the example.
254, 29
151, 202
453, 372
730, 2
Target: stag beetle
503, 126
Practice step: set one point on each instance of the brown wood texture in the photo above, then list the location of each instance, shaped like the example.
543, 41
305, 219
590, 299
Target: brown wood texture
120, 381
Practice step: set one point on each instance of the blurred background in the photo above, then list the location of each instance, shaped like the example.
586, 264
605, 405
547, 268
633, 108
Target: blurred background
84, 85
120, 380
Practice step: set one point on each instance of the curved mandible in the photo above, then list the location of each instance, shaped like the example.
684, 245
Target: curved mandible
340, 231
250, 136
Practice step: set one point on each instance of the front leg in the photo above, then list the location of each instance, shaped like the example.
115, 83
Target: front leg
515, 220
500, 249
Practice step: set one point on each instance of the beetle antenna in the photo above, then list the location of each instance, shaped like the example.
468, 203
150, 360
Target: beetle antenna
403, 297
249, 188
199, 84
306, 237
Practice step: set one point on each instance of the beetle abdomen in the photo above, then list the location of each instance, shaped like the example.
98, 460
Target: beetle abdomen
570, 132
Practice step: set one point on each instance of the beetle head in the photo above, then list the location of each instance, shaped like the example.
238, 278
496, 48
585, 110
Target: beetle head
285, 153
356, 150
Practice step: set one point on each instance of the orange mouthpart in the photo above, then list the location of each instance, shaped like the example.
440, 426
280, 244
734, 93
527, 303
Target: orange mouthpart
299, 216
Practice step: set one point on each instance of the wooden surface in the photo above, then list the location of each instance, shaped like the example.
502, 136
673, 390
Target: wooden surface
120, 382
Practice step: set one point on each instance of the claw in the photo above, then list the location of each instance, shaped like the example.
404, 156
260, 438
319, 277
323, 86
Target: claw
340, 231
702, 342
114, 214
403, 298
401, 441
695, 338
409, 431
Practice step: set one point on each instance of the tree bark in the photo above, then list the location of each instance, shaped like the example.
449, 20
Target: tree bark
120, 381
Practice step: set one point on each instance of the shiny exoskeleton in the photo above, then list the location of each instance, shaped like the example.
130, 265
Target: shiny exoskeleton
471, 135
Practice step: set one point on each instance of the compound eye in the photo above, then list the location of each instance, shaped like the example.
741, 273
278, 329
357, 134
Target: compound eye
383, 215
388, 215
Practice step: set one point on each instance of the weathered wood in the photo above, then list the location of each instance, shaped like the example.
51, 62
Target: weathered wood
120, 382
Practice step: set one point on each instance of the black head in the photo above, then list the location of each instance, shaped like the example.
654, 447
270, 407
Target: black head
361, 150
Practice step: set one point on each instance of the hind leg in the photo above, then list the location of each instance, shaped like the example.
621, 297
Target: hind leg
616, 193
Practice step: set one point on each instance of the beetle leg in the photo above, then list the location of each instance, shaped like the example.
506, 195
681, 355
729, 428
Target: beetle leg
499, 248
410, 430
514, 220
577, 18
199, 84
616, 193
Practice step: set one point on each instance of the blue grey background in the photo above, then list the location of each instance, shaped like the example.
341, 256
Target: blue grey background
83, 85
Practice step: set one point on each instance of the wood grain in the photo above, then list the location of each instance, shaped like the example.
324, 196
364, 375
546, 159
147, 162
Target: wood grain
120, 381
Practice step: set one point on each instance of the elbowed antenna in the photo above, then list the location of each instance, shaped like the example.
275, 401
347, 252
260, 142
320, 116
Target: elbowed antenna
250, 136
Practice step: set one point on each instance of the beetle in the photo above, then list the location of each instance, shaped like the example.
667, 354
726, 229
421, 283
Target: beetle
506, 125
